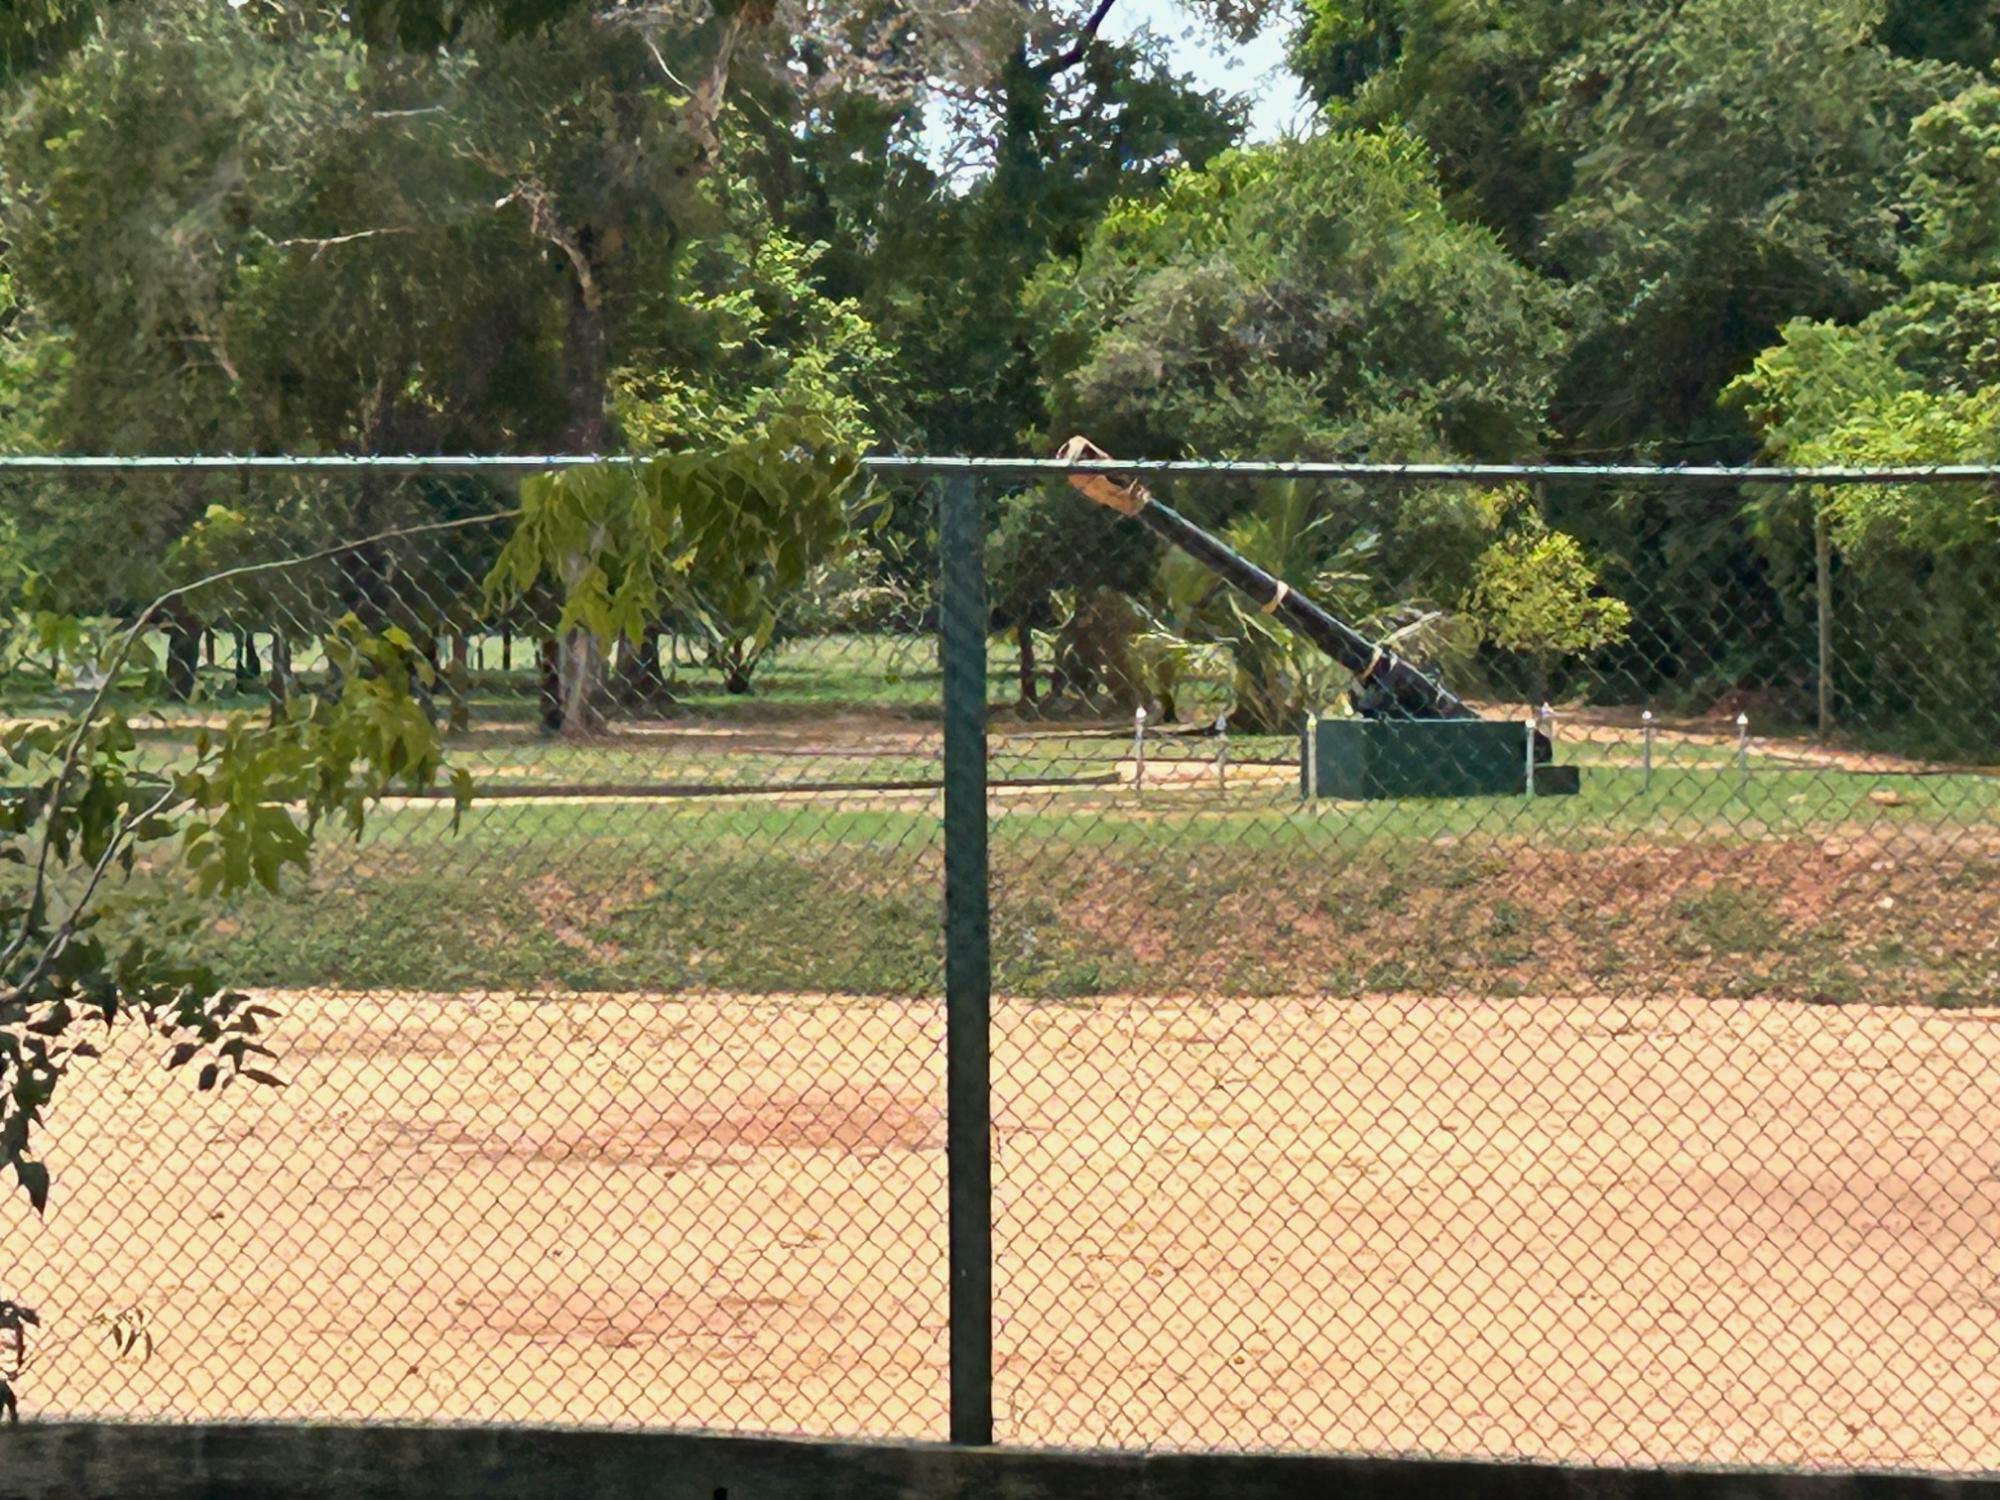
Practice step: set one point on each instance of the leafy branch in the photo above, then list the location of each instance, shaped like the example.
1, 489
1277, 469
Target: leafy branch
246, 807
720, 539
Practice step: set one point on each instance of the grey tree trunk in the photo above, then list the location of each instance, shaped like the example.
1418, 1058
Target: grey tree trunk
1025, 639
548, 675
183, 660
639, 679
586, 368
282, 683
458, 679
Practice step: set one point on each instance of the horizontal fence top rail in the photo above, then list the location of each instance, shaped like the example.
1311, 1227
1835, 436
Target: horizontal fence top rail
1026, 468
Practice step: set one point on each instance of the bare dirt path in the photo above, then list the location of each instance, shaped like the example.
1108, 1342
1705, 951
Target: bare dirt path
1679, 1231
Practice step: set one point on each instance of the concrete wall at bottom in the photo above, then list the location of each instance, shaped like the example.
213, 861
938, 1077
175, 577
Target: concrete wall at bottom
276, 1462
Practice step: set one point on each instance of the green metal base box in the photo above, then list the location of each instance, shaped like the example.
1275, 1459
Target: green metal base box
1365, 760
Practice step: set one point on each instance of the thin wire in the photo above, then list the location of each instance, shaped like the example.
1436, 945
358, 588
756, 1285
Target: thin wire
1029, 468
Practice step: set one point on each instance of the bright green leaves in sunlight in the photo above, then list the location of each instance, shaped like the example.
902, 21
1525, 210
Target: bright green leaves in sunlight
1916, 382
1538, 594
721, 538
323, 758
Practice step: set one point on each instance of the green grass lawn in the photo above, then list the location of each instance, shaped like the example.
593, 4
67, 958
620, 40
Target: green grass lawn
1796, 891
1793, 881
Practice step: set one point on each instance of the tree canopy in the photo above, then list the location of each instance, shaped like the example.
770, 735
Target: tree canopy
1306, 300
1519, 229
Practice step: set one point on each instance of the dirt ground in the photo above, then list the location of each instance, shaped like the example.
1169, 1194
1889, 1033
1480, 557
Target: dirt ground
1678, 1231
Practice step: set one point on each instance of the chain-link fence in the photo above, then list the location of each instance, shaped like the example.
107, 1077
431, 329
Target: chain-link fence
1579, 1046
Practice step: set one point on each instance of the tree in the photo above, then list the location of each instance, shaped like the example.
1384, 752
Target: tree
1535, 592
1736, 165
1959, 31
1691, 177
596, 122
765, 350
723, 537
1915, 382
1312, 299
133, 172
1470, 81
1068, 124
1055, 564
935, 255
34, 31
181, 190
1694, 174
341, 246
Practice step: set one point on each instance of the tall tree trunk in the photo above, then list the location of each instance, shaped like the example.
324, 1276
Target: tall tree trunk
506, 648
1025, 639
248, 667
548, 676
586, 369
458, 677
639, 678
282, 684
183, 659
580, 665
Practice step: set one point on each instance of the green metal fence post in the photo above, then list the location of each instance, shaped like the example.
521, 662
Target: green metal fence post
967, 964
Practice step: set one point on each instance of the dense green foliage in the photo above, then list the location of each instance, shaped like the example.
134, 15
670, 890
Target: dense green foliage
1915, 381
1522, 228
1304, 301
718, 540
1698, 183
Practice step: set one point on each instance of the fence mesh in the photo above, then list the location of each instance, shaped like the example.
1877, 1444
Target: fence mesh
1644, 1122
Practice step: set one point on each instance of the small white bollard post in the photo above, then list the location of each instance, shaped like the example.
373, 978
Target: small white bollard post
1312, 758
1548, 718
1139, 750
1742, 754
1646, 754
1222, 753
1529, 725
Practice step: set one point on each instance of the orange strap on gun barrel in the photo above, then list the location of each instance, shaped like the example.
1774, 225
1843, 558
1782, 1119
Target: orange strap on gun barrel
1385, 686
